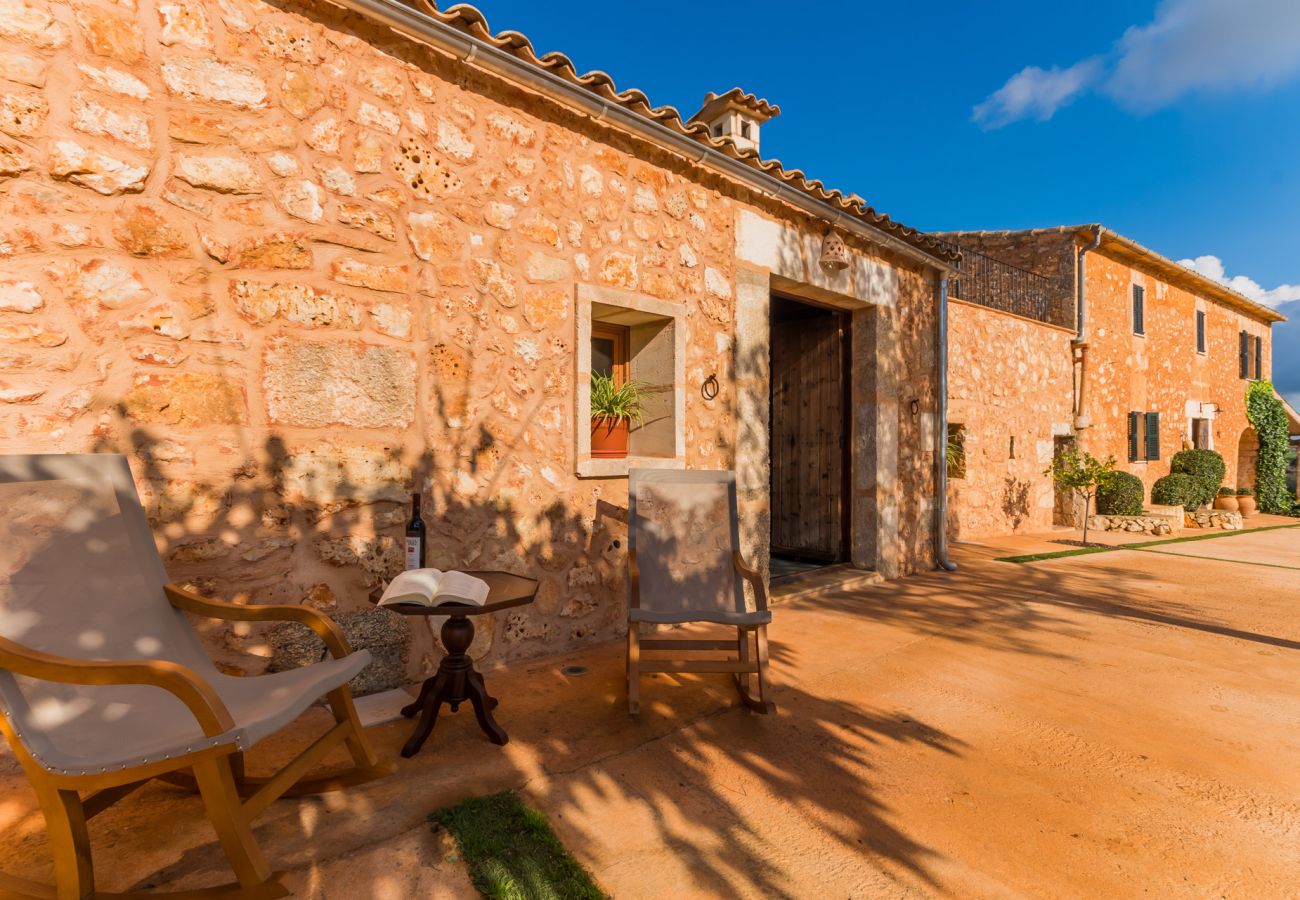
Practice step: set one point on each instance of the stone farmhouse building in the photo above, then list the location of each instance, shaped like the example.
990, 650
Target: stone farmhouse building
1079, 334
300, 260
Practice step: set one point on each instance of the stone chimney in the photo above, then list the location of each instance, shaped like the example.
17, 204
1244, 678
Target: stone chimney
736, 115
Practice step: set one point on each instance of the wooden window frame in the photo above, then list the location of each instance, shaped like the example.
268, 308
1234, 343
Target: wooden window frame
620, 336
1200, 331
1139, 310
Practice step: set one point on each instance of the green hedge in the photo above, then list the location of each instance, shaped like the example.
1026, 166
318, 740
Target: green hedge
1120, 495
1265, 413
1176, 490
1206, 467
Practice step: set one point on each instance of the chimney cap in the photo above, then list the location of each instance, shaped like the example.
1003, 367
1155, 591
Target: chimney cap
758, 108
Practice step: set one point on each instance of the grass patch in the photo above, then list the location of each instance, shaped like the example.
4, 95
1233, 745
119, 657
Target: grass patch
512, 853
1140, 545
1056, 554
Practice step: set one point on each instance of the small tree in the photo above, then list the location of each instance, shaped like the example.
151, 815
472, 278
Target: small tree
1081, 474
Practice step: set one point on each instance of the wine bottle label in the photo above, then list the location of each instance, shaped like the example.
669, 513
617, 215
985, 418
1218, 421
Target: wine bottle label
413, 554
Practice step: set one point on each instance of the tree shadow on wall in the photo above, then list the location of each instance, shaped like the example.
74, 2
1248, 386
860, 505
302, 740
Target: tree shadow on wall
1015, 501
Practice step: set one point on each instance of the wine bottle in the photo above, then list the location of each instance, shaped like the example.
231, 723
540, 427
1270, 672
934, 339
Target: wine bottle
415, 536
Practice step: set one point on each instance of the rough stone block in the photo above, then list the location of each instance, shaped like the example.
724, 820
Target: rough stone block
24, 22
211, 81
225, 173
112, 34
187, 399
328, 474
92, 117
145, 229
320, 384
100, 172
383, 633
22, 115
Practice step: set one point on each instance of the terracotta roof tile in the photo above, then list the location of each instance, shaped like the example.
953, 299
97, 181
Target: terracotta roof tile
468, 19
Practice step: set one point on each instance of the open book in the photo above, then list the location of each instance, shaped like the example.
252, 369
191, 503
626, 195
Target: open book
430, 587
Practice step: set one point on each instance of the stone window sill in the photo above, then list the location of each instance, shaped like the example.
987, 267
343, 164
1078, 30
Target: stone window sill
618, 468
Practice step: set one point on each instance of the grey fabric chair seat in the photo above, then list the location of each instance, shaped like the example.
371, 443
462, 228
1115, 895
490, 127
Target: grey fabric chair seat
713, 616
98, 729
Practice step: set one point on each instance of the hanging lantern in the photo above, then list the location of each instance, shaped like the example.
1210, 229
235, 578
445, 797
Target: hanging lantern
835, 256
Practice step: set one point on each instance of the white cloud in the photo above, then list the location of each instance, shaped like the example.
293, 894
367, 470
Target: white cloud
1189, 45
1035, 93
1212, 267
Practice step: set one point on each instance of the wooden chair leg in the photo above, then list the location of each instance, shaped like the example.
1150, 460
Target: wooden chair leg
742, 645
65, 822
633, 670
340, 700
217, 786
764, 683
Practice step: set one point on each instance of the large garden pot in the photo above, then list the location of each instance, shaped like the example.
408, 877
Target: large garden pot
609, 438
1247, 506
1228, 504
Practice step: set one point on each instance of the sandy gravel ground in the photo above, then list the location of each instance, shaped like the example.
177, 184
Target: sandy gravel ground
1119, 725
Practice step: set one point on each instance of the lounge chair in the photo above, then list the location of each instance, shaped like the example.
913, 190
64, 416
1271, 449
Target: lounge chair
104, 684
685, 567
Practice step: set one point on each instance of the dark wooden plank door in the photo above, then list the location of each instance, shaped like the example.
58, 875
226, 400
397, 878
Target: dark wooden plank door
808, 451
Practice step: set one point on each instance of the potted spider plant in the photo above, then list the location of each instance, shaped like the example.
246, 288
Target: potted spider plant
614, 407
1246, 502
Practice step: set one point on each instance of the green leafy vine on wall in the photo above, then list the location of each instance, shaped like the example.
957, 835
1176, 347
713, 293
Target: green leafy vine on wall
1266, 415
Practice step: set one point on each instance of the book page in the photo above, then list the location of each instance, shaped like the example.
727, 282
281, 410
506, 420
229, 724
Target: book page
464, 588
413, 586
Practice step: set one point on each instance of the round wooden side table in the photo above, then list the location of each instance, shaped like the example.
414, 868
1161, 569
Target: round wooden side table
456, 680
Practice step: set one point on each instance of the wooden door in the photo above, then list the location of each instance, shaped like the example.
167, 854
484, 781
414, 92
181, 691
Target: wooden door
809, 454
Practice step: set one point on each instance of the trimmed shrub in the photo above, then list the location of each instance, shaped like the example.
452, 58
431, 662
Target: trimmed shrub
1120, 495
1176, 490
1206, 466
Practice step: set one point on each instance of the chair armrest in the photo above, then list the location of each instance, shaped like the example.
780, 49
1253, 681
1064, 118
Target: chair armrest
754, 577
320, 623
183, 682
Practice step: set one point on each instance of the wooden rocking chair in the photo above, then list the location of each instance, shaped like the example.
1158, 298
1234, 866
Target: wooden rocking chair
685, 566
104, 684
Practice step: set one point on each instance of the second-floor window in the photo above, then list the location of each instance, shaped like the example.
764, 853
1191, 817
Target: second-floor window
1251, 355
1200, 331
1139, 314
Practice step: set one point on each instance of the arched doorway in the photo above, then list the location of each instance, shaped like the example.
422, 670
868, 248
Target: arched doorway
1247, 457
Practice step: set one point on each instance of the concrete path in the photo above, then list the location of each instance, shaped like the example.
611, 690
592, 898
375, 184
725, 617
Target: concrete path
1121, 725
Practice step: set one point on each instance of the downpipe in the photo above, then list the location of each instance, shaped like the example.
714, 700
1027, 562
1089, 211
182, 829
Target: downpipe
941, 439
1080, 342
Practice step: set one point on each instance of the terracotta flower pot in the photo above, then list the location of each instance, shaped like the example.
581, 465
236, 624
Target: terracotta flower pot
1228, 504
609, 438
1247, 506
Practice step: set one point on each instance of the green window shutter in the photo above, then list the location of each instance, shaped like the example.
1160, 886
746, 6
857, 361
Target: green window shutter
1139, 314
1153, 435
1243, 352
1133, 455
1259, 358
1200, 331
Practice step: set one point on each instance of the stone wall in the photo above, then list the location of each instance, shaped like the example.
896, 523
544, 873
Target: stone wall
297, 267
1161, 371
1156, 525
1010, 386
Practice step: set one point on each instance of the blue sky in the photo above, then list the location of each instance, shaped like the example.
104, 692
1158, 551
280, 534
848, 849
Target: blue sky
1176, 123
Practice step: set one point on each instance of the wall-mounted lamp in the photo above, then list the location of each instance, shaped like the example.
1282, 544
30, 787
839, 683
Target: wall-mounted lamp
710, 388
835, 256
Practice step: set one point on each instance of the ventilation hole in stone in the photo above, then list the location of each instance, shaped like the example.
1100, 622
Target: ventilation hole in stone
574, 671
